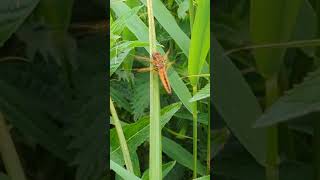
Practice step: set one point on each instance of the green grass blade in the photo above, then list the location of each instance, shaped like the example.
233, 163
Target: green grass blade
200, 41
125, 174
203, 178
300, 101
202, 94
164, 17
272, 27
138, 132
181, 155
122, 139
237, 104
166, 168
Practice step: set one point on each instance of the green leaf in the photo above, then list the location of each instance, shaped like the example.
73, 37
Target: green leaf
56, 14
179, 88
118, 26
136, 164
182, 9
203, 178
200, 41
219, 139
120, 52
122, 171
88, 112
139, 29
306, 26
203, 93
166, 168
138, 132
302, 100
237, 104
140, 100
202, 117
180, 154
267, 27
40, 39
118, 93
12, 15
164, 17
27, 114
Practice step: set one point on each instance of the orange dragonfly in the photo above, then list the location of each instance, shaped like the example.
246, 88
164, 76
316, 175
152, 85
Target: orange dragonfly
159, 63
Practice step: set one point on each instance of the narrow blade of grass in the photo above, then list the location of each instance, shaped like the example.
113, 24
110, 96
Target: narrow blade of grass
125, 174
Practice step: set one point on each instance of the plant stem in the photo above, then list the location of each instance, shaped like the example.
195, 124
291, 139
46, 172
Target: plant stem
316, 149
155, 154
272, 93
9, 154
122, 139
191, 14
208, 143
195, 133
316, 129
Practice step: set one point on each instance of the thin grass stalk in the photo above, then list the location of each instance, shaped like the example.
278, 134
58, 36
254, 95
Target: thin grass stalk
195, 133
209, 128
9, 154
155, 153
316, 149
208, 143
272, 171
122, 139
191, 13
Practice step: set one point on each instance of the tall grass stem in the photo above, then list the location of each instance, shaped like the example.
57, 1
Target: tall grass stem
122, 139
316, 135
155, 153
195, 133
272, 93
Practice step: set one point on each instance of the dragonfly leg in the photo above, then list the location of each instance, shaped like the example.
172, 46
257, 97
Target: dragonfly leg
166, 55
169, 64
142, 58
147, 69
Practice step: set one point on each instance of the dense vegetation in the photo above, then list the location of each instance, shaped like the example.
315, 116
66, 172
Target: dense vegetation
267, 92
53, 89
183, 29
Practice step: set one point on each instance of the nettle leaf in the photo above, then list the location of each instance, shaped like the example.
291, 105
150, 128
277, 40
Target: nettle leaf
12, 15
119, 53
30, 113
121, 95
140, 96
88, 126
138, 132
42, 40
91, 154
299, 101
38, 40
